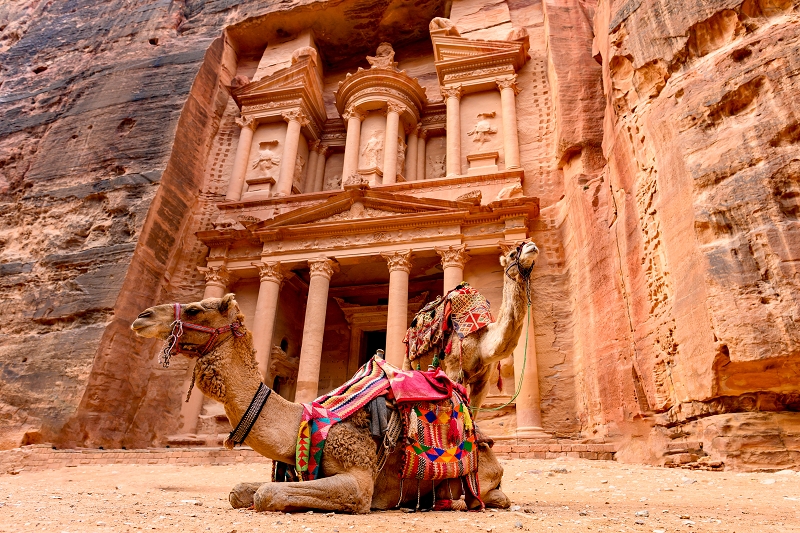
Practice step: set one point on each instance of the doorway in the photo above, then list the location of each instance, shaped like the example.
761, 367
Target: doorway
371, 342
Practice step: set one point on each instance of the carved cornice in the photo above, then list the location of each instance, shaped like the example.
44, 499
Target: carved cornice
381, 85
400, 260
270, 271
322, 267
216, 276
453, 256
476, 63
455, 91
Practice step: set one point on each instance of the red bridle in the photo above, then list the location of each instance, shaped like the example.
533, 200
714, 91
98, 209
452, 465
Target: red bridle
172, 344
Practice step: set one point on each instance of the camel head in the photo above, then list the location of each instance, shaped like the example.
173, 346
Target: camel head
518, 262
211, 314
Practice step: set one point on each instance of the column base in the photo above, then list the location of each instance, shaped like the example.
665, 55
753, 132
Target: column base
532, 432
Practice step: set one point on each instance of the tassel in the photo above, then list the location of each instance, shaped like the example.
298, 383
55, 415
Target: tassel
453, 435
499, 377
412, 424
467, 418
459, 505
228, 443
449, 348
435, 362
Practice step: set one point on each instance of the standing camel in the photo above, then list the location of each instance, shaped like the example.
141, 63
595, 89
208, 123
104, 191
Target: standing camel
481, 350
226, 371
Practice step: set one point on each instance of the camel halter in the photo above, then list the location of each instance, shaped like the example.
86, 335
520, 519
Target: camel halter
525, 273
172, 344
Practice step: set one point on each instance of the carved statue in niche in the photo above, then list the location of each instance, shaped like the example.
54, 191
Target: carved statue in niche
373, 150
384, 57
268, 162
401, 155
334, 182
483, 129
298, 172
438, 166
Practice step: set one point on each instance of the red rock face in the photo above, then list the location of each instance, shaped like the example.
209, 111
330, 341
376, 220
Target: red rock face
660, 135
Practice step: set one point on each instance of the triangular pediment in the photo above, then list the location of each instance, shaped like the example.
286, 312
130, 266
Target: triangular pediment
295, 76
359, 205
453, 48
459, 58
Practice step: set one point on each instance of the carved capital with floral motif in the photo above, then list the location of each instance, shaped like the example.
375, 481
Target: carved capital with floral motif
295, 115
394, 107
271, 271
453, 256
314, 146
398, 260
454, 91
353, 112
322, 267
246, 121
323, 150
508, 83
216, 276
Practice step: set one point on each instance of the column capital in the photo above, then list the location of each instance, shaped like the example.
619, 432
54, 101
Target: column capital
246, 121
271, 271
322, 267
414, 129
314, 146
394, 107
508, 83
353, 112
295, 115
507, 246
422, 133
455, 91
453, 256
216, 275
398, 260
323, 149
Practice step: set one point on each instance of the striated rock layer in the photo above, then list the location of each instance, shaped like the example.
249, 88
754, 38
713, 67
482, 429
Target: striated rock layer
660, 136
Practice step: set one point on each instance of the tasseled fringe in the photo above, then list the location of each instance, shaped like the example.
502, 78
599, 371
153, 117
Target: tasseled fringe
467, 420
450, 505
191, 385
453, 435
228, 443
412, 424
499, 377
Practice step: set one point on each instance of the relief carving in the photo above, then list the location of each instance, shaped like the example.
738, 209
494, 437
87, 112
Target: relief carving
268, 161
333, 182
483, 129
298, 171
437, 165
245, 121
441, 25
401, 155
373, 150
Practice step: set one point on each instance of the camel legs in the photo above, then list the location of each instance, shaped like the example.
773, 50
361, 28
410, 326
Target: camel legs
349, 492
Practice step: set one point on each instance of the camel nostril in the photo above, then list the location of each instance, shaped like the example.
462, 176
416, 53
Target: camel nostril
145, 314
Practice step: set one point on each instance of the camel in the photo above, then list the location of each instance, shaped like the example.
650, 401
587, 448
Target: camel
481, 350
226, 371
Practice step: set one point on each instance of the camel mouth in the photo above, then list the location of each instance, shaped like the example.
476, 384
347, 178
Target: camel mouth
145, 329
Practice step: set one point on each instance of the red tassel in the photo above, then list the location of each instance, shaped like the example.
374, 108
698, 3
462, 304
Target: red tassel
499, 377
453, 435
449, 347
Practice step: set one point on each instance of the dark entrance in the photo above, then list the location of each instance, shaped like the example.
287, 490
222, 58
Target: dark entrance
373, 340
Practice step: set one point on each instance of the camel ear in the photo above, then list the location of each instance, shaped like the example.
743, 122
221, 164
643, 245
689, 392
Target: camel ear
503, 261
228, 304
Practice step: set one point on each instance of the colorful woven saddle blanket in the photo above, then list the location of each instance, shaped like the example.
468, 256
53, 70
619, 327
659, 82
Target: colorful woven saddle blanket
462, 311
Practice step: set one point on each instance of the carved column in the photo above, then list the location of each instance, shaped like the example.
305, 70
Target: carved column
453, 260
314, 329
390, 169
217, 280
452, 96
351, 144
240, 160
528, 406
296, 120
266, 308
411, 158
421, 162
397, 315
311, 169
319, 178
508, 92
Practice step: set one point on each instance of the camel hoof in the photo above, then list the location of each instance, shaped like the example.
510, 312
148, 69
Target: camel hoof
241, 496
267, 498
497, 499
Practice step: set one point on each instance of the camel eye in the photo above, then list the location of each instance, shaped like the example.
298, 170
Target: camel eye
192, 311
513, 254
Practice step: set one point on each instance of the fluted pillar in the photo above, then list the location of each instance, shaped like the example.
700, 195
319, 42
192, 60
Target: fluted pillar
452, 96
314, 329
508, 92
390, 169
296, 120
422, 136
240, 160
453, 260
311, 169
351, 144
411, 158
217, 280
271, 278
397, 315
319, 178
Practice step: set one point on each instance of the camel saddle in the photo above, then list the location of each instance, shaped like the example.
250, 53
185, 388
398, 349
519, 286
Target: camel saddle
438, 435
461, 311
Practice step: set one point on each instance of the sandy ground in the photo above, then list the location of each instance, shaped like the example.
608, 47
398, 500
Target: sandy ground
561, 495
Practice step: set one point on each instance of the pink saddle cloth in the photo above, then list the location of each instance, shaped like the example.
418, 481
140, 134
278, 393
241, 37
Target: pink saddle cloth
415, 386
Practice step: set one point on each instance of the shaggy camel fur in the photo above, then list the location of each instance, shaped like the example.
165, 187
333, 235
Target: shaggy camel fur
349, 482
480, 351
